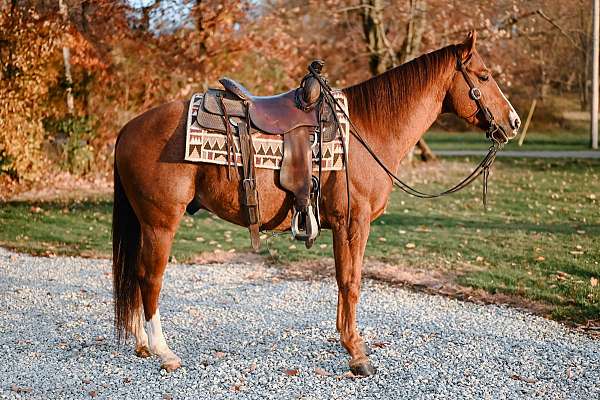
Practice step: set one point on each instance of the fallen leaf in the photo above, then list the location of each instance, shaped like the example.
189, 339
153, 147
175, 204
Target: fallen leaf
92, 393
291, 372
593, 281
410, 245
322, 372
379, 345
479, 259
382, 239
20, 389
522, 378
540, 258
219, 354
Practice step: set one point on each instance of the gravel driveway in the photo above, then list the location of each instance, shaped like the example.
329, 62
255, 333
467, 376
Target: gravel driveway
244, 332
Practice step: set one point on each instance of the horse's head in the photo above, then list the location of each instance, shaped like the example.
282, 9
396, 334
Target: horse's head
475, 96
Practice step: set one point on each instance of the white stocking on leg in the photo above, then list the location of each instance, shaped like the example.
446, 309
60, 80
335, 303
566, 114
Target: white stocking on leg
141, 338
158, 344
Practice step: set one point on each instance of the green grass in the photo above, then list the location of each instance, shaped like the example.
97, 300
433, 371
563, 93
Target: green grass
534, 141
539, 239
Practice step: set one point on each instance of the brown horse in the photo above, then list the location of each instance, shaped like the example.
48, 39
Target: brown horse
153, 186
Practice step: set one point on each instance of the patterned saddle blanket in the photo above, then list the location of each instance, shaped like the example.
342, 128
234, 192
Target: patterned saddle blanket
202, 145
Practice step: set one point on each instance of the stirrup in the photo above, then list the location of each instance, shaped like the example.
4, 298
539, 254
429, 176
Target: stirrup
310, 229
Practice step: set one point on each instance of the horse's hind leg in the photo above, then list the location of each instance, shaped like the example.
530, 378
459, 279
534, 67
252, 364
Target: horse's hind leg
156, 246
142, 348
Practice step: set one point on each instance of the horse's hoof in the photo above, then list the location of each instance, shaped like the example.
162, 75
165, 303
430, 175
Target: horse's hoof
171, 365
143, 352
362, 367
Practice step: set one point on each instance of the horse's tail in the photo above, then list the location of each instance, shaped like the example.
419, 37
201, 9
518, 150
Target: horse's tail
126, 236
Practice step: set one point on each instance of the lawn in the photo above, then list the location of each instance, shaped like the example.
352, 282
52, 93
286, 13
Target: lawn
539, 238
578, 139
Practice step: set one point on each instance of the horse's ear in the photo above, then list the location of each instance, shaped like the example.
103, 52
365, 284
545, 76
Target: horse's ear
468, 46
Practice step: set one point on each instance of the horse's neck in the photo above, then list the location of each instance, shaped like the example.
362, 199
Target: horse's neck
394, 136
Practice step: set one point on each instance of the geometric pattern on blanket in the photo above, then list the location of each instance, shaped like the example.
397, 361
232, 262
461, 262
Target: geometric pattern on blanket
202, 145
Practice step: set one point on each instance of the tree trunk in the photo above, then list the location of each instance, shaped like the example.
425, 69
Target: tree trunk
414, 30
64, 11
411, 48
383, 56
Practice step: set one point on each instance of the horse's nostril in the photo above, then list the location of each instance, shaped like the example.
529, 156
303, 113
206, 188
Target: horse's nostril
516, 123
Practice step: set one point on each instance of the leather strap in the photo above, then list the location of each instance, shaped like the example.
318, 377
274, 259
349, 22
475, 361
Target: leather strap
481, 169
494, 131
228, 136
250, 200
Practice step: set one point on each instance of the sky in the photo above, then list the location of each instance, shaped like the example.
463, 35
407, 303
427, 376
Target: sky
169, 15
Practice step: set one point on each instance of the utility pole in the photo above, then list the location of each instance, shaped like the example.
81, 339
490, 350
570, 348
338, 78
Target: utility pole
595, 58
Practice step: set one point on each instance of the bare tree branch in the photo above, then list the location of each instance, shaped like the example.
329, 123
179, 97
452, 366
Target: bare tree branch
560, 29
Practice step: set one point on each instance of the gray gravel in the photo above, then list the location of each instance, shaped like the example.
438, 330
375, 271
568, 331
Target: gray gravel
239, 328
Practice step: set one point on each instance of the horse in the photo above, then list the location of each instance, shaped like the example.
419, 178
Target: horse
153, 185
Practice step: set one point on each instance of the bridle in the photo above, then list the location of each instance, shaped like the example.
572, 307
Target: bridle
494, 132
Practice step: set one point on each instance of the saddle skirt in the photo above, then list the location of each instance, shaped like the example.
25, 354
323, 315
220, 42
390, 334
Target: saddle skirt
208, 146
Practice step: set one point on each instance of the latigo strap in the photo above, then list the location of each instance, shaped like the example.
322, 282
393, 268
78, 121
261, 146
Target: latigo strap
250, 200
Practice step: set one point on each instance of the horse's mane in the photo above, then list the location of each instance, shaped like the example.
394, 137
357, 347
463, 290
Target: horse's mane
383, 101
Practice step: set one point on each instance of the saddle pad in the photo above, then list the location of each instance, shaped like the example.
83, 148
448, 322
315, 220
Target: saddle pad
202, 145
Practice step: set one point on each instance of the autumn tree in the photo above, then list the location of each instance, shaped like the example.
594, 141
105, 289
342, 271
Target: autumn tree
28, 44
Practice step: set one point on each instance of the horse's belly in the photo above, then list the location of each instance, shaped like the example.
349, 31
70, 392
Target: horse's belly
223, 196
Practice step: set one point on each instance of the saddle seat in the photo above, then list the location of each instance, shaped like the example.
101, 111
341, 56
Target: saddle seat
301, 116
276, 114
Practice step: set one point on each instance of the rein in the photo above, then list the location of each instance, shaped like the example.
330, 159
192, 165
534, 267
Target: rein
494, 132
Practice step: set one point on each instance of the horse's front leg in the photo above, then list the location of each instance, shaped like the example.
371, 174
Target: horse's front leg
349, 244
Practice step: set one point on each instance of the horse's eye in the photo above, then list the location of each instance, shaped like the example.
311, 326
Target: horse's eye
484, 78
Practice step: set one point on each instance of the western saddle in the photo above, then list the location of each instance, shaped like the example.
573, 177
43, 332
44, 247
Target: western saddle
304, 116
